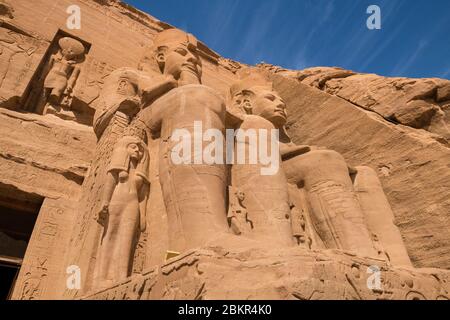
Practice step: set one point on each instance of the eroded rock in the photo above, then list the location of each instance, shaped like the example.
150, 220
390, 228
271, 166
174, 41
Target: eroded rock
417, 103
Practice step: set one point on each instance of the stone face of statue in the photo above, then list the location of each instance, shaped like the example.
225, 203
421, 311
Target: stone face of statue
134, 151
269, 105
181, 58
69, 54
240, 196
177, 56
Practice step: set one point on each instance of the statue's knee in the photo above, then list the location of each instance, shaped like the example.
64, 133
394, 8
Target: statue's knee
366, 177
366, 171
316, 165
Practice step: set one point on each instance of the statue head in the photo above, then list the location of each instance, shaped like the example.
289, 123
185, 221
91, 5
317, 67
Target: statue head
255, 96
127, 149
175, 53
240, 195
121, 86
135, 152
127, 82
71, 49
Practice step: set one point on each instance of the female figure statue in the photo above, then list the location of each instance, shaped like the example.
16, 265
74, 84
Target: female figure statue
123, 210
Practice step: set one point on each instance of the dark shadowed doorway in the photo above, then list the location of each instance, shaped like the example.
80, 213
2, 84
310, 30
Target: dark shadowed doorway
18, 214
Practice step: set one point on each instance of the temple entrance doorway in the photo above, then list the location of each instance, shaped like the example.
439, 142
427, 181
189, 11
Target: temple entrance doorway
18, 213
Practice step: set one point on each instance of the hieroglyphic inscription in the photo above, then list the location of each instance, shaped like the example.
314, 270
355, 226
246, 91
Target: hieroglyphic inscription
42, 263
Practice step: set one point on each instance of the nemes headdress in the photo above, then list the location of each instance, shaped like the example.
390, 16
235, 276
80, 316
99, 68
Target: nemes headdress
169, 36
249, 79
166, 38
120, 159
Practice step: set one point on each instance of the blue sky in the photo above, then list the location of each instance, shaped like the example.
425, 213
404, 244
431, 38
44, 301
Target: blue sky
414, 40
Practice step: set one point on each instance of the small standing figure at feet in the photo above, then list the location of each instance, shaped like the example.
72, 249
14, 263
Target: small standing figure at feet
123, 210
299, 227
380, 250
62, 74
237, 211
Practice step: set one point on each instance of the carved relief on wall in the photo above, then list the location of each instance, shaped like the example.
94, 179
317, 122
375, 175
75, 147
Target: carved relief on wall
208, 274
92, 79
299, 223
34, 281
20, 53
43, 267
132, 21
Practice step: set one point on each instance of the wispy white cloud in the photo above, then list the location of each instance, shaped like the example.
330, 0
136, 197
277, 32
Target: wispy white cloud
402, 66
299, 34
220, 18
364, 39
445, 74
300, 59
260, 23
381, 47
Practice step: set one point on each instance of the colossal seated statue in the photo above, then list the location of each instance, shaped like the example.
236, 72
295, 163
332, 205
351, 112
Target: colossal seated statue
345, 207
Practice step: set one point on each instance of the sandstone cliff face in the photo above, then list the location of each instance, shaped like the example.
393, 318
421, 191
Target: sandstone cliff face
398, 126
411, 164
46, 156
417, 103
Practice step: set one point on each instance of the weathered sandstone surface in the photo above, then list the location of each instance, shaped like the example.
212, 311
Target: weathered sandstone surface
417, 103
263, 274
